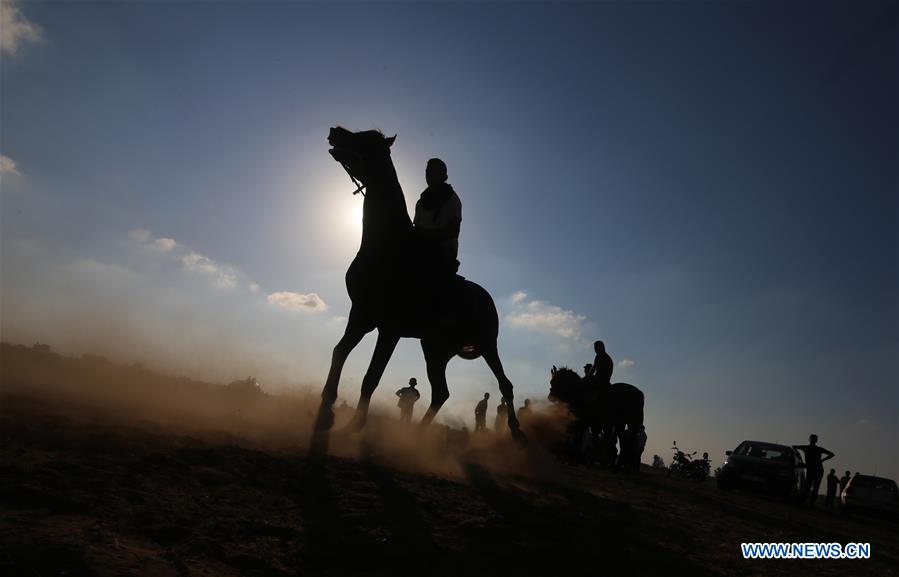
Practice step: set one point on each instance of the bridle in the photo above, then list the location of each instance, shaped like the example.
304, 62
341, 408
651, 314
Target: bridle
359, 186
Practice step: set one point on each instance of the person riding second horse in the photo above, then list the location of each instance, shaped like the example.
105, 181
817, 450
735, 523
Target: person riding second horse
603, 366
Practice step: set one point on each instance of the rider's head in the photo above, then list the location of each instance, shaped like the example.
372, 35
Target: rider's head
813, 439
435, 173
486, 395
599, 347
412, 382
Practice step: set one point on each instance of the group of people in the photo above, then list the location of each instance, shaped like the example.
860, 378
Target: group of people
500, 424
835, 486
600, 372
409, 395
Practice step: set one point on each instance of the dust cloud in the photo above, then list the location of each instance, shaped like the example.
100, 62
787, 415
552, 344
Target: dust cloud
91, 388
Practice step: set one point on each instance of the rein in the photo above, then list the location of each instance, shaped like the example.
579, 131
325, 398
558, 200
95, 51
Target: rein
359, 186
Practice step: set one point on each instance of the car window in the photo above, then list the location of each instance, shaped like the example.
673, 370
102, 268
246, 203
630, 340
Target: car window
876, 483
765, 451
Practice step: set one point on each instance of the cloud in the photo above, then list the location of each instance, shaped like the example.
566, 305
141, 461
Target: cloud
140, 234
292, 301
224, 276
626, 363
544, 317
8, 166
864, 422
164, 244
16, 28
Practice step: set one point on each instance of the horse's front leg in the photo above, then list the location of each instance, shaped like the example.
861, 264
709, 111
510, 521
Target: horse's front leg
383, 351
348, 342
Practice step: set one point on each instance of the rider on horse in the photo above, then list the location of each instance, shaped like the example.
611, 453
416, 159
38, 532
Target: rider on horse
438, 217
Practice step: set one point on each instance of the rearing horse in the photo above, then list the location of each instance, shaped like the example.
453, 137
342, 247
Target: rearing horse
385, 287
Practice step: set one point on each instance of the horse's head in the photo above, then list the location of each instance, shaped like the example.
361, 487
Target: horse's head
564, 385
363, 154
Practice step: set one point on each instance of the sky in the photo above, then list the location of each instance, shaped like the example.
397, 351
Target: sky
709, 187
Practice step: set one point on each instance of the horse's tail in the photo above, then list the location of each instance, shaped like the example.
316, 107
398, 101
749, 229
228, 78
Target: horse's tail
631, 403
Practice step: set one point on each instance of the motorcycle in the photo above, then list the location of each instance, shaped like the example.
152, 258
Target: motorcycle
684, 465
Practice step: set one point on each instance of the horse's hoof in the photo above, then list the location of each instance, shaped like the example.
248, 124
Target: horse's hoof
519, 437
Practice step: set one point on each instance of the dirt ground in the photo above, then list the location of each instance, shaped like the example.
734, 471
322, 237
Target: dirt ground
85, 494
114, 470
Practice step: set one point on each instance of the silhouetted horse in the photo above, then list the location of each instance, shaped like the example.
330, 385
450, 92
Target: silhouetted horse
388, 293
615, 410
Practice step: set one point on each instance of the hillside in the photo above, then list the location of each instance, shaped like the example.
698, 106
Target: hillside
88, 487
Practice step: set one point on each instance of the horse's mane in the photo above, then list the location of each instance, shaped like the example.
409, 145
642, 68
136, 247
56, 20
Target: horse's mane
567, 373
373, 131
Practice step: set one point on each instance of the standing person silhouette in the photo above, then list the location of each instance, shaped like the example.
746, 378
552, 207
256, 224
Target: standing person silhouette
814, 459
602, 365
407, 399
437, 222
525, 412
502, 415
844, 480
480, 414
832, 482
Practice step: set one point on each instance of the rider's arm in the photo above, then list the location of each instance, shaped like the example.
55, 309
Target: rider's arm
594, 369
829, 454
449, 228
448, 233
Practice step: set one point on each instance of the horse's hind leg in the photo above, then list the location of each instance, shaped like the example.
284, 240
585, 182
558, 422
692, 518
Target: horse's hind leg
505, 387
436, 358
383, 351
351, 337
